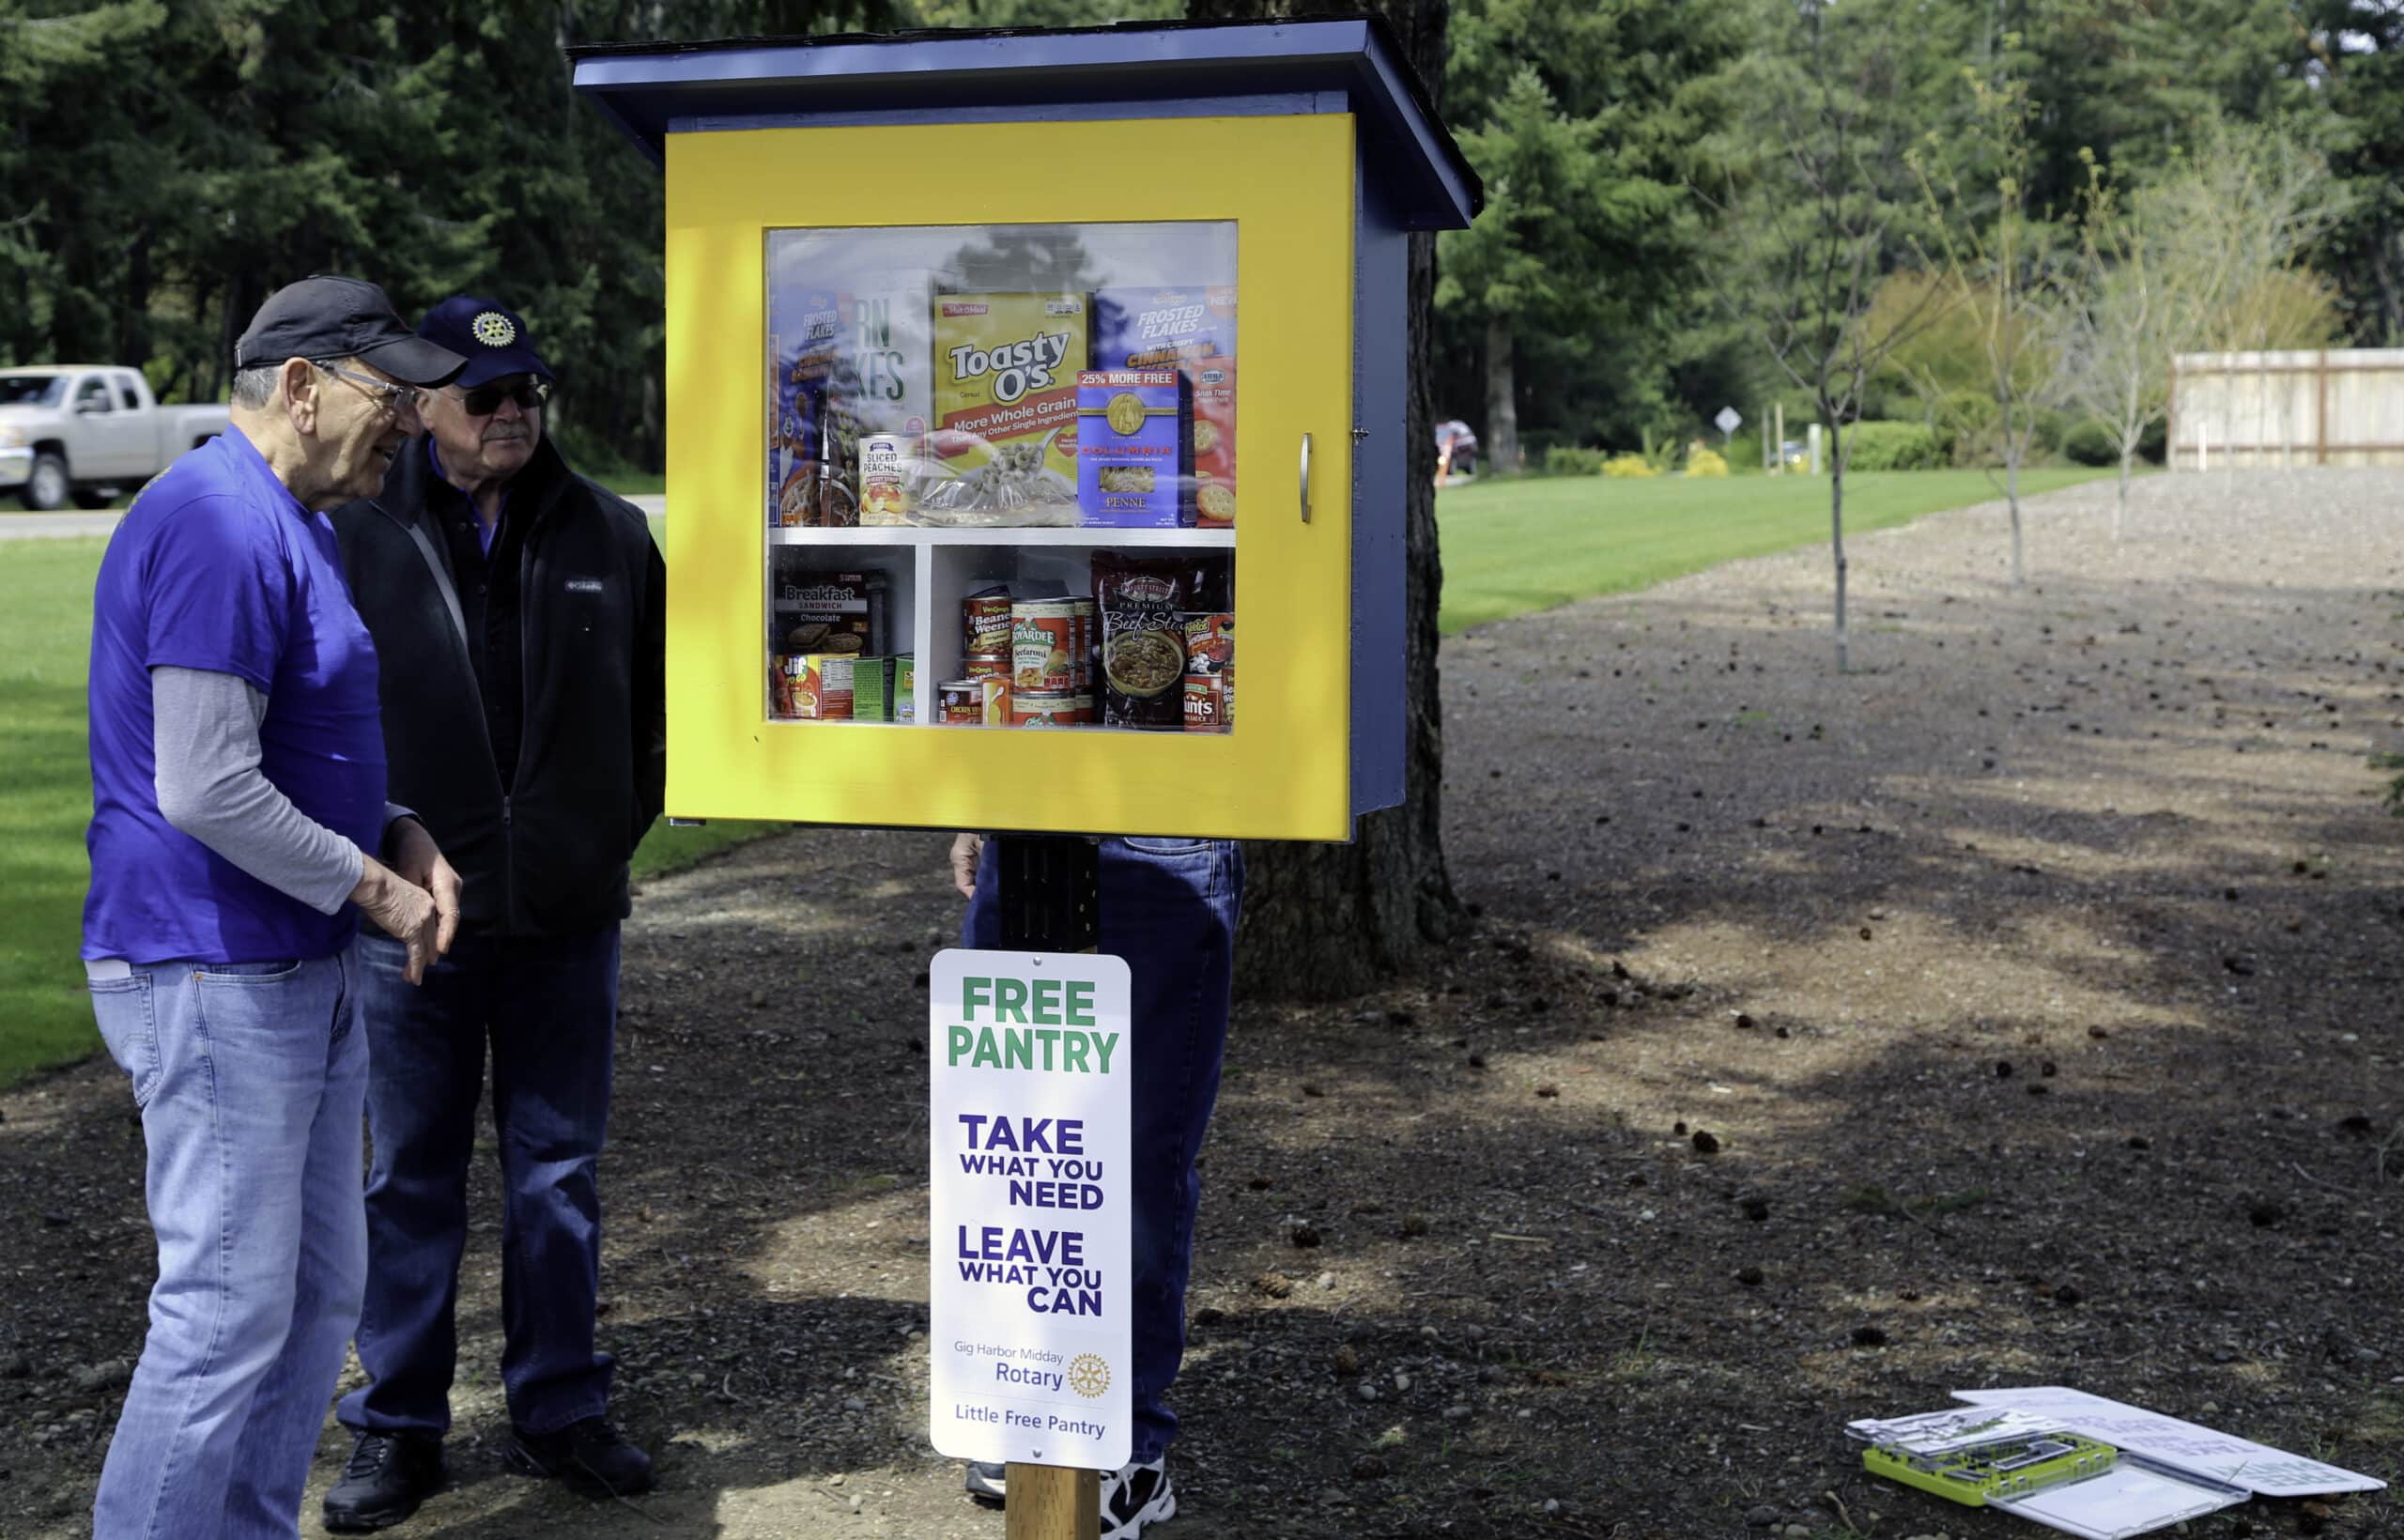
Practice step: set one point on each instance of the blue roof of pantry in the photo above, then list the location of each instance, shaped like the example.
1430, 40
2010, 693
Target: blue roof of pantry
654, 89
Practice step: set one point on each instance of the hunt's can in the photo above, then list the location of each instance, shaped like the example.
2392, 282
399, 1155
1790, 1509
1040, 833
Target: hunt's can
885, 493
1044, 645
1051, 708
1206, 703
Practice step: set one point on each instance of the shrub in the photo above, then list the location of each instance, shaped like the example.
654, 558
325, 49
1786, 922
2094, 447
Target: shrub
2090, 443
1625, 465
1705, 462
1572, 460
1892, 446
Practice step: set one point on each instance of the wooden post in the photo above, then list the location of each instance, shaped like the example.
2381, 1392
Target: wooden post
1050, 902
1051, 1502
2320, 412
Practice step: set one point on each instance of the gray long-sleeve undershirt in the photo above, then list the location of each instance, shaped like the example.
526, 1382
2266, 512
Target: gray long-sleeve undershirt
206, 750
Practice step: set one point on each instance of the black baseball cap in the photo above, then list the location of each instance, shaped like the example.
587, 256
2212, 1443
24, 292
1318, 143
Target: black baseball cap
329, 316
492, 335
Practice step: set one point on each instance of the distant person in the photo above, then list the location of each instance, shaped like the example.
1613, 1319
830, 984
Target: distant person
1169, 909
529, 733
239, 829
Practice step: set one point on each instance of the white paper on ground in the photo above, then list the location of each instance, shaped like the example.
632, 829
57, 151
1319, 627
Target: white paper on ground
1933, 1433
2131, 1499
2184, 1447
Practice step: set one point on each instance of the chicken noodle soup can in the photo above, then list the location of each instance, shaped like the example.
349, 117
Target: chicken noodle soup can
961, 703
1044, 645
1051, 708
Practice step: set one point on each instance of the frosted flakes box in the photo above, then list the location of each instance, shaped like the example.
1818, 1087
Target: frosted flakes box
1134, 449
1003, 447
803, 344
1192, 329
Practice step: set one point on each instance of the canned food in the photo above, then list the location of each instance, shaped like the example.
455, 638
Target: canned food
986, 668
1044, 645
960, 702
996, 700
1051, 708
1210, 644
1206, 704
885, 492
986, 624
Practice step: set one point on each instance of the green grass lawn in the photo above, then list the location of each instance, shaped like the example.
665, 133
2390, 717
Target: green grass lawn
45, 632
1516, 545
1509, 548
46, 800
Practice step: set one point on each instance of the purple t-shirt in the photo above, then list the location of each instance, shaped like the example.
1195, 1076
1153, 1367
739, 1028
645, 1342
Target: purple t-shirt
217, 566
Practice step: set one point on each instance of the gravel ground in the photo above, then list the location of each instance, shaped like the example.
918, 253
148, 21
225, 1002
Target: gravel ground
2018, 1007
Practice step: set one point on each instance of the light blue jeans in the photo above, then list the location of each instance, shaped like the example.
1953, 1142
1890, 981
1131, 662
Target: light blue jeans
250, 1079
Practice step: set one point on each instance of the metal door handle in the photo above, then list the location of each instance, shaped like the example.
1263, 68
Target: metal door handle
1306, 478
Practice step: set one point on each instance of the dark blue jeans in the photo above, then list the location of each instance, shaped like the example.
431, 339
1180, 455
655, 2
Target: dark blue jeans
1168, 910
548, 1009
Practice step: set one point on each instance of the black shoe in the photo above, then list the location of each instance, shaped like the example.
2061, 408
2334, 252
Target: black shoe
588, 1455
388, 1475
988, 1483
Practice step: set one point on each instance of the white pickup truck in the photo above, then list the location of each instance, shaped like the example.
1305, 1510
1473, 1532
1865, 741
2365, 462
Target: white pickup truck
85, 431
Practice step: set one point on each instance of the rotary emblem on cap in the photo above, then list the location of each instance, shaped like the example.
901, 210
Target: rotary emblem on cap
493, 330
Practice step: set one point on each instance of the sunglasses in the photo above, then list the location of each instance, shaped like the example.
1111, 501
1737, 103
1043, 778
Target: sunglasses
484, 400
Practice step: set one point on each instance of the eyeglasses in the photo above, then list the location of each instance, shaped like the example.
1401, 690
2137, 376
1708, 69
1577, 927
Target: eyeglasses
390, 398
484, 400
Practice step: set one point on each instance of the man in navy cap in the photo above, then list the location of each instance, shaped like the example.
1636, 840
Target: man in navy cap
529, 732
239, 829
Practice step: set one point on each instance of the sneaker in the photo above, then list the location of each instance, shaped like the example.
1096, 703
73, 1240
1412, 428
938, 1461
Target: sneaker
590, 1455
1134, 1496
387, 1476
987, 1482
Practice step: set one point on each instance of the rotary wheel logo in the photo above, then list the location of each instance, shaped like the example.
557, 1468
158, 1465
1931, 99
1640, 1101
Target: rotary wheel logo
493, 330
1089, 1376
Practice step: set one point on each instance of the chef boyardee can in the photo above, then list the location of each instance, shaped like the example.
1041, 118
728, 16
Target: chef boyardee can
1053, 708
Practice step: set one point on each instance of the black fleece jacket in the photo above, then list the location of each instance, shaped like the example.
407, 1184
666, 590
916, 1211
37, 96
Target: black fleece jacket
543, 851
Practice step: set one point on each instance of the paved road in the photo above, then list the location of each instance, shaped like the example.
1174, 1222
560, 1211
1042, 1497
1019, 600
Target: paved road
68, 526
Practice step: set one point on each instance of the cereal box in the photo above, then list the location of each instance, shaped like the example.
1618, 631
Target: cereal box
1192, 329
804, 330
872, 690
1003, 447
905, 688
1134, 449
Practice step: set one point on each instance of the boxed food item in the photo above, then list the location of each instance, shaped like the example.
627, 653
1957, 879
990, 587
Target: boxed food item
1134, 449
905, 688
872, 690
842, 612
1002, 450
1192, 329
804, 342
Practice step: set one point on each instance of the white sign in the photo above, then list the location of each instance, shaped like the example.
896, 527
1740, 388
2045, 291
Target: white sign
2184, 1446
1030, 1327
1728, 420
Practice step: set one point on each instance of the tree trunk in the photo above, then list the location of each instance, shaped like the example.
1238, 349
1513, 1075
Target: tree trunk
2012, 458
1835, 526
1501, 407
2120, 507
1324, 921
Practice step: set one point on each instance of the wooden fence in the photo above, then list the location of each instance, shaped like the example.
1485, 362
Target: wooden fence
2336, 406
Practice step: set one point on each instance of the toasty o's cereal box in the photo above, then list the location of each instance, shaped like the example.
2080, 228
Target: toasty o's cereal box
1003, 443
1193, 331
